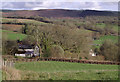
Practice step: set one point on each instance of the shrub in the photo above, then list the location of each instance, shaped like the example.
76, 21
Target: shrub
86, 58
56, 51
109, 50
9, 47
80, 58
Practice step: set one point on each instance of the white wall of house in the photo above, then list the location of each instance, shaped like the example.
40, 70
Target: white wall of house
22, 55
36, 51
25, 49
28, 49
92, 53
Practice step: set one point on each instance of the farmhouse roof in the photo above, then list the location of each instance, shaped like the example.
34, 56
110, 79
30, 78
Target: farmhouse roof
25, 46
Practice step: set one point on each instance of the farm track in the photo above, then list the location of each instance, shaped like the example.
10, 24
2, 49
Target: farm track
64, 60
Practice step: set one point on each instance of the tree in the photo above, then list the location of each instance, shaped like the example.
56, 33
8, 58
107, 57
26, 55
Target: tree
56, 51
109, 50
10, 47
40, 37
73, 40
24, 29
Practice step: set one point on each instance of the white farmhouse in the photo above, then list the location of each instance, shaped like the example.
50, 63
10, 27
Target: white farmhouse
27, 51
92, 53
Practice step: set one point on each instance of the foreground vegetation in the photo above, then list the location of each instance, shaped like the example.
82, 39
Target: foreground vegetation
51, 70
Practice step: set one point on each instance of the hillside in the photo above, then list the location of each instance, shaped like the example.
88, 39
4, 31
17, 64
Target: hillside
57, 13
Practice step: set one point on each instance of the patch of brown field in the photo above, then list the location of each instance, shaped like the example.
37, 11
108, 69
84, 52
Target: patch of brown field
12, 27
11, 73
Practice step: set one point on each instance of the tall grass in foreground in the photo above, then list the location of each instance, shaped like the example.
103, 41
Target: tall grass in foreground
10, 74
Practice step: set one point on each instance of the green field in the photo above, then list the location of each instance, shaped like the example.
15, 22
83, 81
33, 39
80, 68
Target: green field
13, 35
66, 71
0, 75
102, 25
106, 37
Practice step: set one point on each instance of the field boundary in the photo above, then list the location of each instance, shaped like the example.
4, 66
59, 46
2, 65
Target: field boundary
63, 60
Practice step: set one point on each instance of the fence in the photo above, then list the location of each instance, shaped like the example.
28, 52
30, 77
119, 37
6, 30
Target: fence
11, 62
8, 63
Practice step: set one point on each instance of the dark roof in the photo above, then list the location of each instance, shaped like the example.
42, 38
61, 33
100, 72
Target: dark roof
21, 46
20, 52
29, 52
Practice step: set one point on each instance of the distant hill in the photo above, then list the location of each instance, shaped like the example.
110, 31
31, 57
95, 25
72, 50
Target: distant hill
57, 13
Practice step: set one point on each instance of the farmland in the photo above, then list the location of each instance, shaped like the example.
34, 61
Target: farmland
101, 40
112, 26
25, 21
13, 35
46, 70
12, 27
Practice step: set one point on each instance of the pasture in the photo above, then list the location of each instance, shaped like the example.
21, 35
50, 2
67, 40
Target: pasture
13, 35
52, 70
26, 21
112, 26
105, 37
12, 27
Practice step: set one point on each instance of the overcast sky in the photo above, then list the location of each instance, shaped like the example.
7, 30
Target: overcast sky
109, 6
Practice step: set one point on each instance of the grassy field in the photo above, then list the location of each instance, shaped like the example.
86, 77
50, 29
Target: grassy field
13, 35
106, 37
12, 27
102, 25
52, 70
0, 75
27, 21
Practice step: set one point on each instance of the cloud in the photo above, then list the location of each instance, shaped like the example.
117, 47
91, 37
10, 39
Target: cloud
60, 5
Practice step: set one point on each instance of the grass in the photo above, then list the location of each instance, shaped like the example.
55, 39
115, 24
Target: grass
9, 73
51, 66
116, 27
12, 35
27, 21
106, 37
12, 27
52, 70
0, 75
102, 25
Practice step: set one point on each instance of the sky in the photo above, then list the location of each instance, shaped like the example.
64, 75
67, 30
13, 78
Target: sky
73, 5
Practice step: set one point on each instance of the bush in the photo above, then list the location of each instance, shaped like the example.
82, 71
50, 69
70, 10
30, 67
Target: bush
86, 58
9, 47
56, 51
80, 58
109, 50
